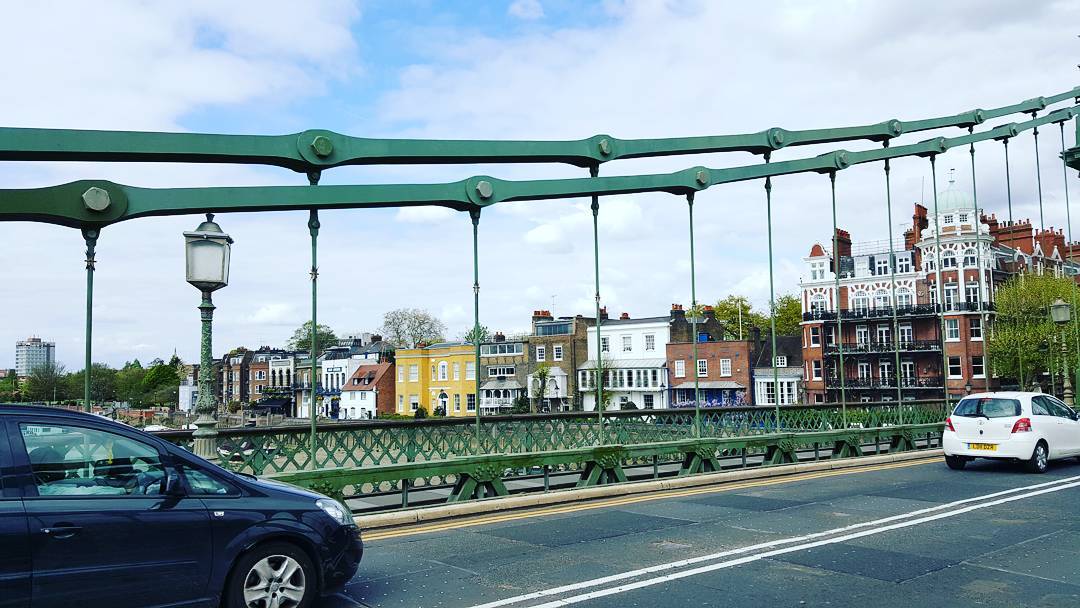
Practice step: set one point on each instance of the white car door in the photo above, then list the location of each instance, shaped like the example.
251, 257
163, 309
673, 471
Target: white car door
1051, 427
1070, 427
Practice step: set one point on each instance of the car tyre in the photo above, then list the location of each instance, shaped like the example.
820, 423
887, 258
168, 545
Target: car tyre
956, 463
274, 574
1040, 458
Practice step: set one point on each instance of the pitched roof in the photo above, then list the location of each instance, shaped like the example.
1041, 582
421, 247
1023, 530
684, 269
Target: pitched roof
367, 377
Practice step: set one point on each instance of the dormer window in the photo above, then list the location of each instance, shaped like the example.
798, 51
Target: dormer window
948, 219
963, 218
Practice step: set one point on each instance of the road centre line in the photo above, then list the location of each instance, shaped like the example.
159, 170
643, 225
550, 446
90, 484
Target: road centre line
585, 506
876, 528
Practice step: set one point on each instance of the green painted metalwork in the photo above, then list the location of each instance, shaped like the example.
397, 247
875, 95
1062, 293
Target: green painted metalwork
892, 295
772, 296
478, 476
90, 235
694, 315
205, 404
317, 149
600, 371
1038, 179
475, 215
939, 281
836, 299
65, 204
1068, 227
313, 229
1008, 179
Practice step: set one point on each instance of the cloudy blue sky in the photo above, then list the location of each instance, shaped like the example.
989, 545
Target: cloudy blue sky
534, 69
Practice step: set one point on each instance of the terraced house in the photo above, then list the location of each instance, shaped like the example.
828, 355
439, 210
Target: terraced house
441, 377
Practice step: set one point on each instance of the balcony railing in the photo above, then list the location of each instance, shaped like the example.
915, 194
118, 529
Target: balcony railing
887, 382
885, 312
856, 348
496, 402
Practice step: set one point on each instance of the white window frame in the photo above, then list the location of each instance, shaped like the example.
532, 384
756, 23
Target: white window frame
680, 368
959, 366
650, 342
780, 361
952, 330
725, 367
414, 372
541, 353
444, 371
702, 368
457, 371
815, 338
470, 370
982, 365
627, 344
605, 344
975, 327
557, 352
815, 367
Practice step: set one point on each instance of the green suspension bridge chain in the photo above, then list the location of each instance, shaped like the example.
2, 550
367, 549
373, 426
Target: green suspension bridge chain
98, 203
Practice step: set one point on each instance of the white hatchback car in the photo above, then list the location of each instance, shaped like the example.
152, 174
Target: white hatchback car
1029, 427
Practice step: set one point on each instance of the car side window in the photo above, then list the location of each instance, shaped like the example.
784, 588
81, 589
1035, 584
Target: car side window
1059, 408
1039, 407
78, 461
201, 483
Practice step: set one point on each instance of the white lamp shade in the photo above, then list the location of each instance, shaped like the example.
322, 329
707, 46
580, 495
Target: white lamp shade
1060, 311
207, 253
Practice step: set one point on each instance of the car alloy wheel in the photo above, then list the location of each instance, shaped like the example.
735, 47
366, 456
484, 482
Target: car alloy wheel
1039, 459
276, 581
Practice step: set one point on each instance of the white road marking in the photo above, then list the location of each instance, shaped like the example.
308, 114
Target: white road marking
1040, 488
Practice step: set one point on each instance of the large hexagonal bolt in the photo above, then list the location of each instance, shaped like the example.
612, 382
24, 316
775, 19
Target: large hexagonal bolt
605, 146
484, 189
96, 199
322, 146
702, 177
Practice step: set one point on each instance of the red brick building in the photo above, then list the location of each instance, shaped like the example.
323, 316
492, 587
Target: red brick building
723, 369
935, 297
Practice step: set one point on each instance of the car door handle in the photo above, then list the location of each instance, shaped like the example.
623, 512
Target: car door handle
61, 531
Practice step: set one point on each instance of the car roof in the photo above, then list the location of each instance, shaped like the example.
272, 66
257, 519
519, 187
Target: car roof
20, 408
1004, 394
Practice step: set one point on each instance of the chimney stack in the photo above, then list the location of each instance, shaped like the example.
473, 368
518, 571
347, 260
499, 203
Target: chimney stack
624, 316
499, 337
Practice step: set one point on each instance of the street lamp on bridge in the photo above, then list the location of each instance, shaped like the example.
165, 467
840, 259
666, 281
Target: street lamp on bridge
1061, 313
207, 251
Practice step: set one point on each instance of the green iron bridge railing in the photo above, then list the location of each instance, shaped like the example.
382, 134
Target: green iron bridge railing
370, 459
94, 205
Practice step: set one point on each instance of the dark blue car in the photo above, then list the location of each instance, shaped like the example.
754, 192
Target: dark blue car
96, 513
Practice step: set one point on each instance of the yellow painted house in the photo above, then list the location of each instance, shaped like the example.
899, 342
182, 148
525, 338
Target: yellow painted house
441, 375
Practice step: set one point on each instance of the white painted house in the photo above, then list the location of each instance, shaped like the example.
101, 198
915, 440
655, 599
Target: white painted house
633, 351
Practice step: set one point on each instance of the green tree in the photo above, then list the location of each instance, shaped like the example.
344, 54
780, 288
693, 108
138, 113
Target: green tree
129, 383
421, 412
540, 382
476, 334
301, 338
9, 389
102, 383
46, 382
731, 309
1024, 342
160, 385
788, 315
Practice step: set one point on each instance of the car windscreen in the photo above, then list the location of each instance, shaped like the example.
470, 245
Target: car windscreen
989, 407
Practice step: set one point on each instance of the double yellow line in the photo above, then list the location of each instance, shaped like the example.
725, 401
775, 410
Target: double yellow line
626, 500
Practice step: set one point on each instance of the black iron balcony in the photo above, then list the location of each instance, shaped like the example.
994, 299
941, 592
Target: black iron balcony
886, 312
886, 382
875, 347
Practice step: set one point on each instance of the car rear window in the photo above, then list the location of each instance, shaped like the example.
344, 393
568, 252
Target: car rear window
990, 407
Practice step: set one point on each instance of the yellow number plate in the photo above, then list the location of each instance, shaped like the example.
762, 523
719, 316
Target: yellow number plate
990, 447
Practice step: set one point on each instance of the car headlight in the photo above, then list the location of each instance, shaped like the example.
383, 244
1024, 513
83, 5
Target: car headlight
335, 510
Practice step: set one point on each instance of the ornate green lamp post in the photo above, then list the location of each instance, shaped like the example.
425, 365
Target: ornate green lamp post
207, 255
1061, 313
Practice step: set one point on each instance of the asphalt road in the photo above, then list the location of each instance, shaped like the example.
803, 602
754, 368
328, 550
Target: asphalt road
1014, 540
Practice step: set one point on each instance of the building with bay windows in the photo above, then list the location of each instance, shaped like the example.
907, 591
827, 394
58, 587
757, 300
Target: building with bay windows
912, 325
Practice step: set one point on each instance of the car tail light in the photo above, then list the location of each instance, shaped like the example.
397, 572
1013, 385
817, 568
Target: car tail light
1022, 425
948, 424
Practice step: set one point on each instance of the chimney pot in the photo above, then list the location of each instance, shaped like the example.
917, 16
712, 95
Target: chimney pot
624, 316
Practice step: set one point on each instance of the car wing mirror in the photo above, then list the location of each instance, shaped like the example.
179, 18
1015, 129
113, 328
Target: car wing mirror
173, 487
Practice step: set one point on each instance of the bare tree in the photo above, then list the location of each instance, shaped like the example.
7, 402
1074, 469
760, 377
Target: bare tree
407, 327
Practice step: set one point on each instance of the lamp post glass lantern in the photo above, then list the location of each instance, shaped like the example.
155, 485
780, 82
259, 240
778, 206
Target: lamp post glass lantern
207, 252
1061, 313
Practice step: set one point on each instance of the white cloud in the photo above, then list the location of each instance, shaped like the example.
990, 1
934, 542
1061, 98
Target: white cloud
651, 69
424, 215
529, 10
